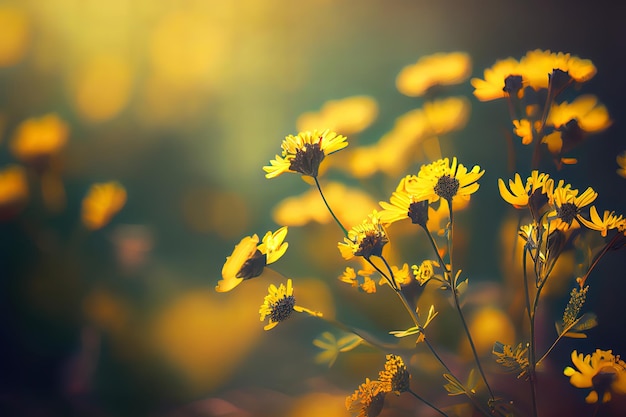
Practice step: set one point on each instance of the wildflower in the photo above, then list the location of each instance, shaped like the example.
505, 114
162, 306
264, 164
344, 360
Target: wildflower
494, 84
401, 276
367, 400
590, 115
279, 303
568, 204
537, 66
441, 179
305, 152
366, 239
432, 70
395, 377
36, 139
102, 202
425, 271
524, 130
602, 371
13, 190
348, 116
248, 259
403, 204
621, 162
361, 279
520, 193
608, 221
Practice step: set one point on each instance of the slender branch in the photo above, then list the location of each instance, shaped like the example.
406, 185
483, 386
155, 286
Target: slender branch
598, 257
319, 188
427, 403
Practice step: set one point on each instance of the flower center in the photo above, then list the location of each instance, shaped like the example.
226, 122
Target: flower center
446, 187
253, 266
418, 212
281, 309
371, 244
512, 84
567, 212
308, 159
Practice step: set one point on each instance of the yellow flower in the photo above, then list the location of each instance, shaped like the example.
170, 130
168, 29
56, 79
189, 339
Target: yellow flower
524, 130
567, 206
39, 138
102, 202
395, 377
279, 303
537, 65
590, 115
347, 116
433, 70
425, 271
248, 259
304, 153
366, 239
608, 221
403, 205
367, 400
13, 190
520, 193
445, 180
621, 161
602, 371
492, 87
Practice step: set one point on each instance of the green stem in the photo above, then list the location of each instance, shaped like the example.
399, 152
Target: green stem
427, 403
457, 305
319, 188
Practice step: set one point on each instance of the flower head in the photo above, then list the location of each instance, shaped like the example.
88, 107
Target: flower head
366, 239
395, 377
494, 84
102, 202
249, 259
445, 180
602, 371
279, 303
520, 193
567, 206
348, 115
432, 70
608, 221
367, 400
403, 204
305, 152
39, 138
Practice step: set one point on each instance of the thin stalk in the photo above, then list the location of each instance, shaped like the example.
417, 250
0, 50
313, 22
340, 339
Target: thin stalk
427, 403
457, 305
319, 188
531, 324
598, 257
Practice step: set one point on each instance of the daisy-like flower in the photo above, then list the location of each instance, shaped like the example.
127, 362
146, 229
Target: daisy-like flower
425, 271
567, 206
602, 224
590, 115
102, 202
367, 400
366, 239
538, 65
432, 70
494, 86
520, 193
621, 162
249, 258
349, 115
395, 377
305, 152
403, 204
601, 371
278, 305
361, 279
445, 180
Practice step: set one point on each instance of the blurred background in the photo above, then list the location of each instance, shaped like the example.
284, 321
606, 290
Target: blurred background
182, 103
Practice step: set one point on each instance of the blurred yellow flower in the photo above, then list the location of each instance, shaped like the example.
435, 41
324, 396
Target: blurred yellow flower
350, 205
13, 190
366, 239
537, 65
305, 152
445, 115
15, 35
367, 400
492, 87
346, 116
524, 130
590, 115
279, 303
38, 138
621, 162
249, 259
442, 179
102, 202
434, 70
602, 371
